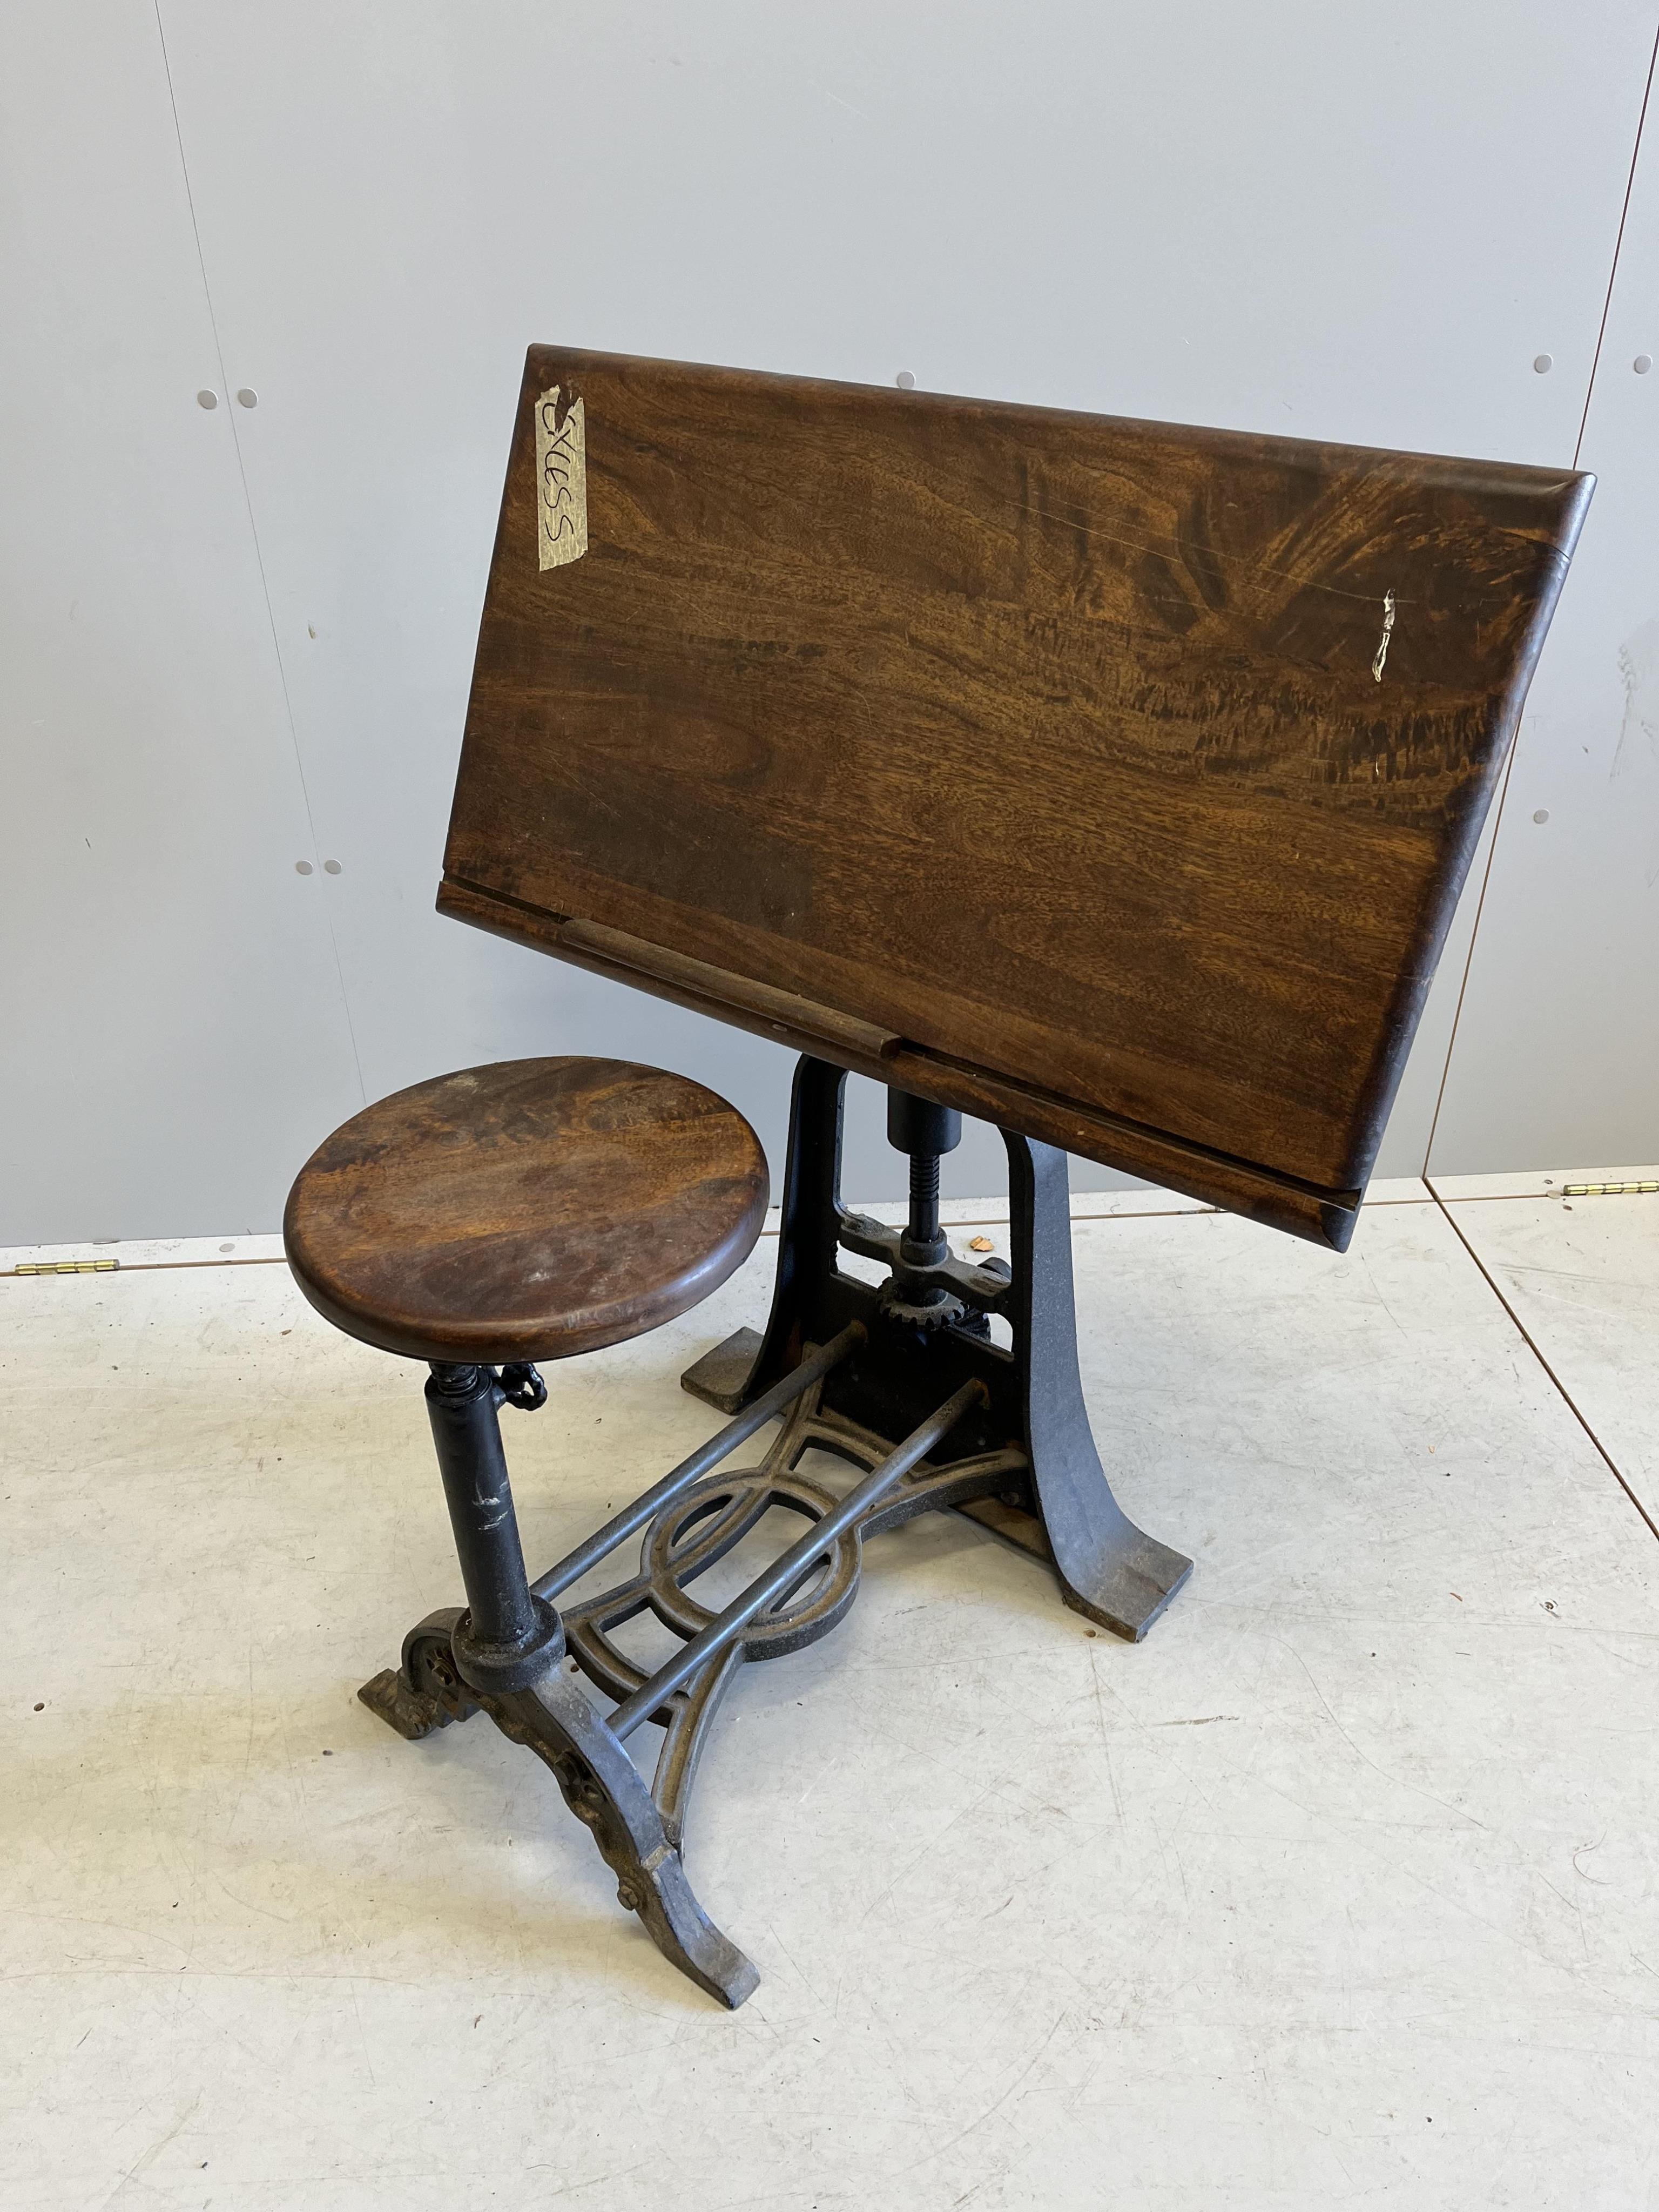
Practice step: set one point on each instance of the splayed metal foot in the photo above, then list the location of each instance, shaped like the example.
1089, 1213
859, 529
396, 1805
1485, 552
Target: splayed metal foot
599, 1782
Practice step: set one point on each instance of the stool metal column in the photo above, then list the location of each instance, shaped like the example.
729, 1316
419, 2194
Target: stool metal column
507, 1638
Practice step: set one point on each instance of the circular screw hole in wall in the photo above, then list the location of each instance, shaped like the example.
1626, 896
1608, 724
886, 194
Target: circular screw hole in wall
302, 867
1544, 362
208, 399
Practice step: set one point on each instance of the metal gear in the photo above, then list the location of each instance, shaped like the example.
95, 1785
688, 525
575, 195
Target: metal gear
938, 1310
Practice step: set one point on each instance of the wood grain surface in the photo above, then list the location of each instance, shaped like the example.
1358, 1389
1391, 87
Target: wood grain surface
525, 1211
1110, 780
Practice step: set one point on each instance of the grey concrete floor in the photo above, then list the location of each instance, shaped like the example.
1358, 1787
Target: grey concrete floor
1338, 1890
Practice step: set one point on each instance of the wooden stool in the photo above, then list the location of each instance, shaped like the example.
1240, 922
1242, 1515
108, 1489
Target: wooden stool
527, 1211
482, 1222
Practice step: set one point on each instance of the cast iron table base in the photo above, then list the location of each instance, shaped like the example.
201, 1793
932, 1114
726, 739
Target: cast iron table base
902, 1380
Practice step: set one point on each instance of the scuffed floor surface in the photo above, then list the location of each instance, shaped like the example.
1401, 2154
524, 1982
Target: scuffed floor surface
1339, 1891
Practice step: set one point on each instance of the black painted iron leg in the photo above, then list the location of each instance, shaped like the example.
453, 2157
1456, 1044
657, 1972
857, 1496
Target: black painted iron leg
1109, 1570
507, 1638
747, 1363
610, 1797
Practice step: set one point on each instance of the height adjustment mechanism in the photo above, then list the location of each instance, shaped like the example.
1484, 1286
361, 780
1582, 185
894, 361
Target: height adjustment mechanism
521, 1385
927, 1286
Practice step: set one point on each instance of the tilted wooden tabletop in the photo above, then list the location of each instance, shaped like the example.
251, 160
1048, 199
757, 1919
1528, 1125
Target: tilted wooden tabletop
1112, 780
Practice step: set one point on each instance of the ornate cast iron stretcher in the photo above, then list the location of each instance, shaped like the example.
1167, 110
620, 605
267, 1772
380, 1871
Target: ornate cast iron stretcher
1111, 782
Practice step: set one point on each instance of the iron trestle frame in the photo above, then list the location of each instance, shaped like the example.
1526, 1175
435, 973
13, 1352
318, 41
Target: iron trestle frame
883, 1377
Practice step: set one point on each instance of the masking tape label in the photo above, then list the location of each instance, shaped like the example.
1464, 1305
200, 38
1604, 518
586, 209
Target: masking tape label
561, 480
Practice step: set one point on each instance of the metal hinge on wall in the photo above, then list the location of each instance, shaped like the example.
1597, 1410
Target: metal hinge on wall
66, 1267
1607, 1189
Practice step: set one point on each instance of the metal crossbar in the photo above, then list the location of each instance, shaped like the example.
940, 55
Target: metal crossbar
785, 1575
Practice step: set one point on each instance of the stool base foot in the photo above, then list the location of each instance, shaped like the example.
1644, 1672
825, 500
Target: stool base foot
720, 1377
598, 1781
607, 1793
401, 1708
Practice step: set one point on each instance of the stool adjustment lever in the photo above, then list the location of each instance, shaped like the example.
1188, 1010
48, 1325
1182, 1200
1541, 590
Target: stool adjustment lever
521, 1385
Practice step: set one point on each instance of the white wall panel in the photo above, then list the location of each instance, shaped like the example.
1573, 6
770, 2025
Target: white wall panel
1325, 219
1320, 219
176, 1037
1557, 1051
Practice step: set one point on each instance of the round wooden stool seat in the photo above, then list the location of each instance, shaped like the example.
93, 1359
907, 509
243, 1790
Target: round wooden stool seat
526, 1211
